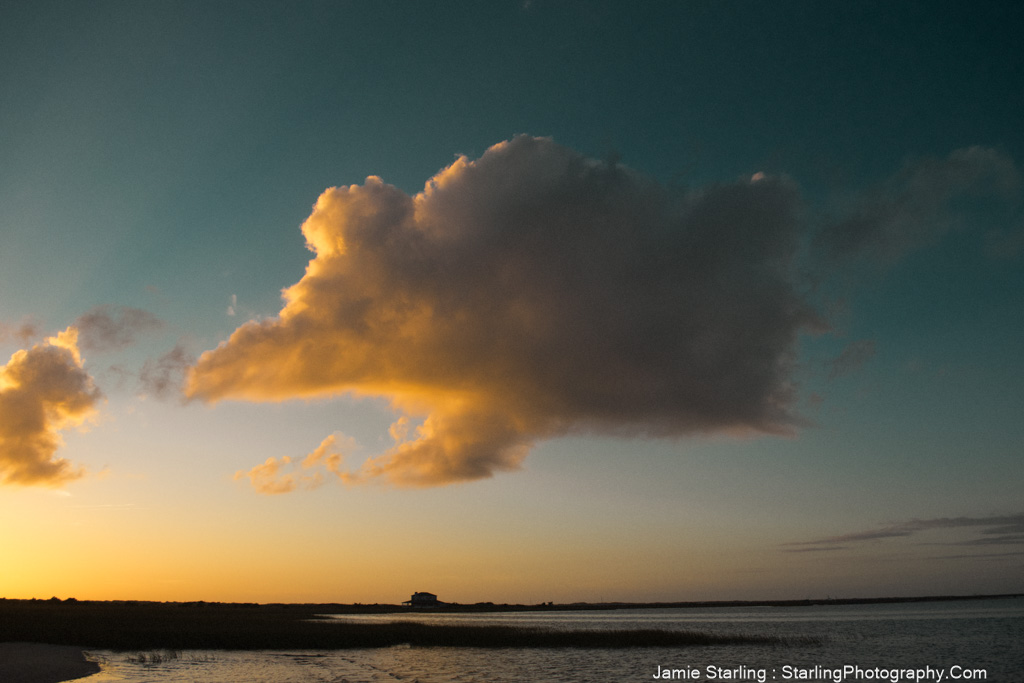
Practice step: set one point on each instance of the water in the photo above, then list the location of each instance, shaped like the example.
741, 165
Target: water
963, 640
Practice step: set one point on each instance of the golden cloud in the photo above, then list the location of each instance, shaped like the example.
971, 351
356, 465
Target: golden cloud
528, 294
285, 474
43, 390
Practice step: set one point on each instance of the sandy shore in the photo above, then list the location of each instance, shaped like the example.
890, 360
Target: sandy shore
36, 663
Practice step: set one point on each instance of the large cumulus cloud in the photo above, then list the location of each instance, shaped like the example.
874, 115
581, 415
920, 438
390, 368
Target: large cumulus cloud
43, 390
532, 293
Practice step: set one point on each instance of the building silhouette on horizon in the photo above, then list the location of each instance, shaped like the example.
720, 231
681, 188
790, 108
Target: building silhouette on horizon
423, 599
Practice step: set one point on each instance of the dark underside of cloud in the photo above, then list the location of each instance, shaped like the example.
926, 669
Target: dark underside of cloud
534, 293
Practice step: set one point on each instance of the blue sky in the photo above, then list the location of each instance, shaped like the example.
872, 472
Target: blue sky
160, 158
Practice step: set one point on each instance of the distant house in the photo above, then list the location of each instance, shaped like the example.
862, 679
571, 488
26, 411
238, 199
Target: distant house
422, 600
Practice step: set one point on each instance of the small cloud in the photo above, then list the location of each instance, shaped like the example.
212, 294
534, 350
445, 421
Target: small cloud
43, 391
399, 430
267, 478
331, 453
108, 328
917, 206
285, 474
233, 306
22, 333
163, 377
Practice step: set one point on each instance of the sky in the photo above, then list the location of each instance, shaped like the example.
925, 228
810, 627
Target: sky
512, 301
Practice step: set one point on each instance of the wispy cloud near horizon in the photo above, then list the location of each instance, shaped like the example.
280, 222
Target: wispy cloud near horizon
990, 530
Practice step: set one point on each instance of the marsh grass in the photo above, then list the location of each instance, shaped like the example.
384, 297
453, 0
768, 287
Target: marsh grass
157, 630
164, 656
155, 657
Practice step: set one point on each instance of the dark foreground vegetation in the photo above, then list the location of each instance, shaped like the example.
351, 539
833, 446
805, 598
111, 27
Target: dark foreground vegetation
198, 626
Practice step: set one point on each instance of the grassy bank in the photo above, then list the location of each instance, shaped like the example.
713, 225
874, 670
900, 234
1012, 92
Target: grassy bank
173, 626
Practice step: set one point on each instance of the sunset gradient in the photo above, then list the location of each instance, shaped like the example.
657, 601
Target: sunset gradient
511, 302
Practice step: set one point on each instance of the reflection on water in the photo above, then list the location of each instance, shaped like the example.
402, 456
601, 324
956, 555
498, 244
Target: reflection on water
975, 635
669, 618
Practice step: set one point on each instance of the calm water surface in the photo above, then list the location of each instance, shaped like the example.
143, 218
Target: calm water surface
963, 640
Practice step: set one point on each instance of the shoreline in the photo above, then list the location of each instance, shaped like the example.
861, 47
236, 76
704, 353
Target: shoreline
389, 608
702, 604
42, 663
